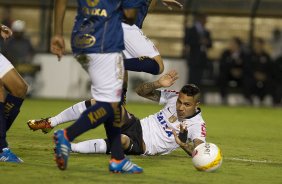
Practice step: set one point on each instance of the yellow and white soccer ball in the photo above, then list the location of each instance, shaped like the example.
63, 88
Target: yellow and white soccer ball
207, 157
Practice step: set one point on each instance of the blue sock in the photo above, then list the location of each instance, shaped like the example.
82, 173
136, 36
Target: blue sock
113, 135
94, 116
123, 96
3, 129
142, 64
12, 109
91, 118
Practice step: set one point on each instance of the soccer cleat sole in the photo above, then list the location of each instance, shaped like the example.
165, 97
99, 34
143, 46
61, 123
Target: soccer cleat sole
46, 130
121, 172
60, 163
124, 166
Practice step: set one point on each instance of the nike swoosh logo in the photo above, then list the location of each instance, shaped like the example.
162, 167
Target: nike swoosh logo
169, 110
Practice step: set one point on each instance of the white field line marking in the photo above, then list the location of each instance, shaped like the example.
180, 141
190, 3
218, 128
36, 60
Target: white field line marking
252, 161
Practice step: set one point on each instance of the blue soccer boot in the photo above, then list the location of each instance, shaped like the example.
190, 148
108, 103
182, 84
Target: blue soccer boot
124, 166
62, 149
8, 156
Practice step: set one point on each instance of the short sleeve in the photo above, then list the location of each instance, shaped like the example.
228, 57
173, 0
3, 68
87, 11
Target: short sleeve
167, 95
197, 131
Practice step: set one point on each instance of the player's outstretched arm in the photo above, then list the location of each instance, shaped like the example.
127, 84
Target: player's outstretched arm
188, 148
57, 42
148, 89
5, 31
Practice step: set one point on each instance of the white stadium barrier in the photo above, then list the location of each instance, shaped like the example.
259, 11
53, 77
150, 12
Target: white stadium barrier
67, 79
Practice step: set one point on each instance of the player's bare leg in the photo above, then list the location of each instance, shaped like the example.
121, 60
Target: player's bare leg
15, 84
17, 88
9, 109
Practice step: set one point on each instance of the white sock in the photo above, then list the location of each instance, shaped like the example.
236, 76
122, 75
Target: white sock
70, 114
90, 146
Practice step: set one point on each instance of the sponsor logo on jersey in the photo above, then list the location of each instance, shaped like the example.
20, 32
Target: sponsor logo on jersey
164, 125
203, 130
95, 12
84, 41
172, 119
92, 3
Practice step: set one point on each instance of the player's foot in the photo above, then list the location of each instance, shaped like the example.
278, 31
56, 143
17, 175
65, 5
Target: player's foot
8, 156
62, 149
124, 166
43, 124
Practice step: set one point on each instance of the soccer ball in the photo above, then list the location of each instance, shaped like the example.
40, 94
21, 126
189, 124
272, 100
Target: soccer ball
207, 157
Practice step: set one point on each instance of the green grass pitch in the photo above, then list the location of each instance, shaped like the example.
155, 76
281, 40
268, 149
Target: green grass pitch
250, 140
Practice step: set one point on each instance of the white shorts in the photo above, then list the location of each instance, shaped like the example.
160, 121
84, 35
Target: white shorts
137, 44
106, 72
5, 66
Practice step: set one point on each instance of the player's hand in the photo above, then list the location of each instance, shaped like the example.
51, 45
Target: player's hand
5, 32
172, 3
58, 46
168, 79
183, 128
177, 140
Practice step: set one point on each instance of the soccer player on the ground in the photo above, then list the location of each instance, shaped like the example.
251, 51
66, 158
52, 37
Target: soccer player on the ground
151, 135
10, 104
97, 42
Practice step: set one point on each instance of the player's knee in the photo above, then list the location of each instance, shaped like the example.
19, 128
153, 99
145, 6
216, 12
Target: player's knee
125, 141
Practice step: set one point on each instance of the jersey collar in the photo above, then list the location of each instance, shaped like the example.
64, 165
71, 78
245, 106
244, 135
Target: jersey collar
198, 111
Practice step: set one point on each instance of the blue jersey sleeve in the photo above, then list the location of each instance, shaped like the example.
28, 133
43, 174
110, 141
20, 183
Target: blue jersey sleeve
126, 4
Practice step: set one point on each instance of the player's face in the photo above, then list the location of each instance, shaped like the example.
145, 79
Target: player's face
185, 106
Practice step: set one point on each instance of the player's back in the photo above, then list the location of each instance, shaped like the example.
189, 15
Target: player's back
97, 27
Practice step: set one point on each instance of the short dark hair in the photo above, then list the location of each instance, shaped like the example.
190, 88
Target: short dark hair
191, 90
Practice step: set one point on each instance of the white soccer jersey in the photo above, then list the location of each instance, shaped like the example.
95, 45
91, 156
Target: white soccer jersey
157, 128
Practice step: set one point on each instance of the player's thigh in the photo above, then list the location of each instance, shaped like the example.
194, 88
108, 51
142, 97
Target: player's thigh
106, 72
137, 44
11, 79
